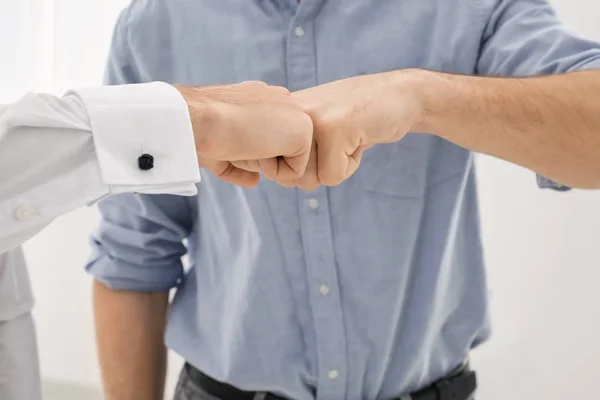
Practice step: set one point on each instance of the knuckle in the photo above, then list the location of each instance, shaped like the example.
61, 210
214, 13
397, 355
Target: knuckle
306, 121
294, 175
302, 130
253, 165
254, 83
326, 125
281, 90
287, 183
329, 178
304, 126
308, 187
309, 182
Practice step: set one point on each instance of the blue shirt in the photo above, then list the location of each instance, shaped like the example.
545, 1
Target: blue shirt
368, 290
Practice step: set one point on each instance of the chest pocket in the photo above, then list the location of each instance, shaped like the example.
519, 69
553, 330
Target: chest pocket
397, 169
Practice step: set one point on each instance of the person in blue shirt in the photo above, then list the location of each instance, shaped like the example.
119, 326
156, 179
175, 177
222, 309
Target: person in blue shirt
364, 279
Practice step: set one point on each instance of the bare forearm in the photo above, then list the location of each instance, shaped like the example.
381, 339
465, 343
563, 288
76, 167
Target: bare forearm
548, 124
129, 333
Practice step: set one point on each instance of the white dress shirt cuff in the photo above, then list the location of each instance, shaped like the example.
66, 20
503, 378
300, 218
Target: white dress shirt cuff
130, 120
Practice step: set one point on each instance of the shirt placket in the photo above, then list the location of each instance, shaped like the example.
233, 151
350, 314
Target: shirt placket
324, 294
316, 226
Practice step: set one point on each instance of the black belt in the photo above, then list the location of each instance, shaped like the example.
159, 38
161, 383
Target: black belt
459, 386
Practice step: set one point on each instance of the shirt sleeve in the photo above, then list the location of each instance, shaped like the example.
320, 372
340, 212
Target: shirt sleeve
138, 245
57, 154
526, 38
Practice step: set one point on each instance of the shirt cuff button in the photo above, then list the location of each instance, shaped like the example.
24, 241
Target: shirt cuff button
145, 162
25, 213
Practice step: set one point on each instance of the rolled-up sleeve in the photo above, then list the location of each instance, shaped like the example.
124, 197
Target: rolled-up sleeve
526, 38
139, 243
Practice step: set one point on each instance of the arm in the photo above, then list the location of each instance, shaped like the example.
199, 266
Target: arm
136, 261
57, 154
129, 329
526, 38
550, 125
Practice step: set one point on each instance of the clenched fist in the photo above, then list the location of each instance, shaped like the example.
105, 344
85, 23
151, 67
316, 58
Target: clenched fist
350, 116
249, 127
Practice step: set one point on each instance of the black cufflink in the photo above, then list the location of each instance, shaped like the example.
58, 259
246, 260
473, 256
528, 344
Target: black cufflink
146, 162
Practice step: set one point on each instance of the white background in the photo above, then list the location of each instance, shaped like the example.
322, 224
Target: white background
541, 246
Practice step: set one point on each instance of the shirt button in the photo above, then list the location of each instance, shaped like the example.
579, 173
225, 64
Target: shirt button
333, 374
25, 213
299, 31
313, 204
324, 290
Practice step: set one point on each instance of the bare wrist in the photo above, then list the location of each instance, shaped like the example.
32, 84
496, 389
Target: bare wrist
442, 99
428, 89
204, 117
407, 92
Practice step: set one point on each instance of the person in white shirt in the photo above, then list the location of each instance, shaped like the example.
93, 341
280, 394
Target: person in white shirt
57, 154
19, 365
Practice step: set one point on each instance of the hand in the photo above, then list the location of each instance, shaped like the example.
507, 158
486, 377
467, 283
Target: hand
249, 127
350, 116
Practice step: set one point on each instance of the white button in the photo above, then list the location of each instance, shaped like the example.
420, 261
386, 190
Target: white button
324, 289
299, 31
25, 213
333, 374
313, 204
